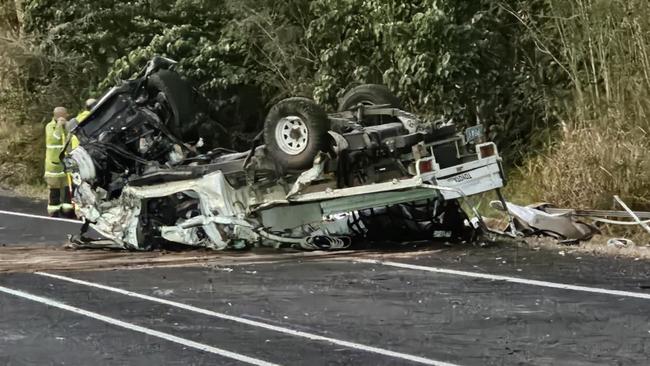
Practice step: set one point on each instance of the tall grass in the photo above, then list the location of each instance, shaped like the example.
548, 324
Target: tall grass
604, 145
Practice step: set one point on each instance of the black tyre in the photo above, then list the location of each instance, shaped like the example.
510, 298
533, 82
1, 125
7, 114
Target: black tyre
178, 97
369, 94
295, 131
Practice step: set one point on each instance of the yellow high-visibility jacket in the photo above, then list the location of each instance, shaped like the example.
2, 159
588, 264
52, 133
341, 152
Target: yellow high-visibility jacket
54, 144
82, 116
74, 141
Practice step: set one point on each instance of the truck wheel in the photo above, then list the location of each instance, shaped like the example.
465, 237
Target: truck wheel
370, 94
295, 131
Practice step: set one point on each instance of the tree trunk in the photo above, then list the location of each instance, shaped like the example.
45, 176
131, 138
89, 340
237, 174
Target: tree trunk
18, 4
9, 22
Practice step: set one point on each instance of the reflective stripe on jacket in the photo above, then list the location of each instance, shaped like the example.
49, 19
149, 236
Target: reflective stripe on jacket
74, 141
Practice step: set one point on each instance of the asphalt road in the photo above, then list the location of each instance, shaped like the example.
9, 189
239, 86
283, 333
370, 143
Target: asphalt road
500, 305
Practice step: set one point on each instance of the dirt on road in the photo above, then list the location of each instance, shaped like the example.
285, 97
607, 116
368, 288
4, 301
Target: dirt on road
43, 257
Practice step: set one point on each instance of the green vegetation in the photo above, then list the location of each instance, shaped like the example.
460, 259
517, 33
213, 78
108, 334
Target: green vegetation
562, 84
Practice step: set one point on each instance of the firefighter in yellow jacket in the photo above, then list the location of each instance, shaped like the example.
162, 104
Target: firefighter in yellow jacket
59, 203
90, 103
79, 119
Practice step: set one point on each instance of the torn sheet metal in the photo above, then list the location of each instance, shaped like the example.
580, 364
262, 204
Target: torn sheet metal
534, 221
218, 204
308, 176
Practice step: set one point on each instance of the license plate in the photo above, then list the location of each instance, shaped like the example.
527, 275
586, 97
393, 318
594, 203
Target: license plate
474, 133
461, 177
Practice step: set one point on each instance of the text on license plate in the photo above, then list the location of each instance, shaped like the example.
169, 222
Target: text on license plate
461, 177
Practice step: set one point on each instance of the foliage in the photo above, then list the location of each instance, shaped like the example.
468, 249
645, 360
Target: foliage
191, 32
33, 79
99, 30
238, 53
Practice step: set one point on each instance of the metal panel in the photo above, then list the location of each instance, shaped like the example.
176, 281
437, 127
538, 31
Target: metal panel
472, 182
361, 202
394, 185
287, 217
443, 173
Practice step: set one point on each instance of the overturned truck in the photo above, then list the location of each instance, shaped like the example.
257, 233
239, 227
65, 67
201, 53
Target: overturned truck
150, 170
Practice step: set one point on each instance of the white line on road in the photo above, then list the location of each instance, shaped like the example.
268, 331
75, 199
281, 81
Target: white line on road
275, 328
20, 214
137, 328
596, 290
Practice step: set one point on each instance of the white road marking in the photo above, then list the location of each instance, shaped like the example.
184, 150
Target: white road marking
137, 328
20, 214
254, 323
596, 290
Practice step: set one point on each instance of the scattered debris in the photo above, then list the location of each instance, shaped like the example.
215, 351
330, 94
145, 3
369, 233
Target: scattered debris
596, 246
608, 217
632, 214
568, 226
532, 220
619, 242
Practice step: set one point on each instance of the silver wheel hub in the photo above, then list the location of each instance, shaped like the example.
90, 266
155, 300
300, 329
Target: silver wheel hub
292, 135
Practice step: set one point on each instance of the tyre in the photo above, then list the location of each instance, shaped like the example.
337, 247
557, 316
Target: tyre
178, 97
369, 94
295, 130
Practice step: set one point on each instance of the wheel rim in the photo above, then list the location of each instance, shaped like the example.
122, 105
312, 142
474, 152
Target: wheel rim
292, 135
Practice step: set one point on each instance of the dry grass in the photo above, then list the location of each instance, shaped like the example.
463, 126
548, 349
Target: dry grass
588, 167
